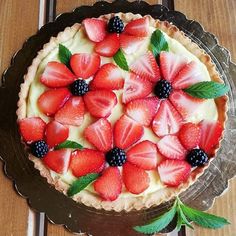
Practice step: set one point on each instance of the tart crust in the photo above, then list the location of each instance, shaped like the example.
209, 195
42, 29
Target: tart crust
128, 203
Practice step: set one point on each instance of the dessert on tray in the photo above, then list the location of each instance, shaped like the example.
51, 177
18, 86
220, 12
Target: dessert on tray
122, 112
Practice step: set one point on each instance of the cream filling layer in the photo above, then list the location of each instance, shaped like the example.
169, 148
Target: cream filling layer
79, 43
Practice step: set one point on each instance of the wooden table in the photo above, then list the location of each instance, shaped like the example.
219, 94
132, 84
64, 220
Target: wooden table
21, 18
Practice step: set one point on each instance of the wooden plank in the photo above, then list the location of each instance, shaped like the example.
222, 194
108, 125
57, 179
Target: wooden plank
219, 18
15, 29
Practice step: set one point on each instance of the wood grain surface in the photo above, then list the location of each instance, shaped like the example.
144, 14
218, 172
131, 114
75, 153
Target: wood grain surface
19, 20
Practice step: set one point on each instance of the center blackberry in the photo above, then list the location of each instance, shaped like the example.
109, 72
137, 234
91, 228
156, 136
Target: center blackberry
163, 89
115, 25
39, 148
116, 157
79, 87
197, 157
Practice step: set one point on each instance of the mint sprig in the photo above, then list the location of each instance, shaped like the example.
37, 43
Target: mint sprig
184, 215
120, 60
81, 183
207, 89
158, 43
64, 55
69, 144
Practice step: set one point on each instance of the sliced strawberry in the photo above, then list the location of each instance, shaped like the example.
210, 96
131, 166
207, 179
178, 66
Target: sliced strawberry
72, 113
108, 77
56, 75
185, 104
52, 100
189, 135
171, 64
143, 110
100, 134
136, 87
32, 129
100, 102
136, 180
85, 65
174, 172
190, 74
95, 29
58, 160
138, 27
211, 133
130, 44
127, 132
86, 161
144, 155
109, 185
56, 133
170, 147
167, 120
146, 67
109, 46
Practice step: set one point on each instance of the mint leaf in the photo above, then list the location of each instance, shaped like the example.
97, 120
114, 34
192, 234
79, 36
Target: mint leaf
207, 89
182, 219
69, 144
158, 43
159, 223
120, 60
81, 183
64, 55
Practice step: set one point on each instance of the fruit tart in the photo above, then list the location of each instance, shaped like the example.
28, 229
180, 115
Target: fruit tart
122, 112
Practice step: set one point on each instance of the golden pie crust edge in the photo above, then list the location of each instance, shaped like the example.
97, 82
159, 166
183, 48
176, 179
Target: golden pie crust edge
128, 203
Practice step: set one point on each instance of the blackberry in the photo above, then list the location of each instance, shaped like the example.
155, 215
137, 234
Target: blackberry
115, 25
163, 89
197, 157
116, 157
79, 87
39, 148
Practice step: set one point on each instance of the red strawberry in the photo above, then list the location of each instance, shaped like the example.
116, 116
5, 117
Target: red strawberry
100, 102
52, 100
174, 172
170, 147
85, 65
86, 161
130, 44
138, 27
185, 104
146, 67
142, 110
108, 77
32, 129
56, 75
127, 132
100, 134
109, 185
56, 133
136, 87
144, 155
171, 64
136, 180
211, 132
109, 46
95, 29
190, 74
189, 135
58, 160
167, 120
72, 113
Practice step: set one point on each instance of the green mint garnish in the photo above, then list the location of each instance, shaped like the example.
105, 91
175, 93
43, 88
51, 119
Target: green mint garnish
120, 60
64, 55
81, 183
69, 144
158, 43
207, 89
184, 215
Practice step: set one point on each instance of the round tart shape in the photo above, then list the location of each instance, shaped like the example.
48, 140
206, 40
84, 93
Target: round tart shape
148, 129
